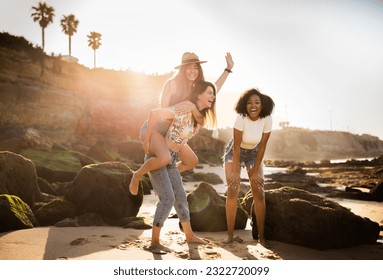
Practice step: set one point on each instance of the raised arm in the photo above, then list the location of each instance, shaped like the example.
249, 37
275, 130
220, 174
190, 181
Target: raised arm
168, 91
229, 66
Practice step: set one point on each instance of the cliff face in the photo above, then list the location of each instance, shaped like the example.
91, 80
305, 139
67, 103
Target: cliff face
73, 104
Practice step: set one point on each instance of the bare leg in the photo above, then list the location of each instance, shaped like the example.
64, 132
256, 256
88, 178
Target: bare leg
160, 157
258, 192
189, 234
188, 159
231, 204
156, 247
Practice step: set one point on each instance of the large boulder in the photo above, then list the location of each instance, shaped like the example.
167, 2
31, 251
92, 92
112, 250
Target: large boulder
55, 211
104, 189
18, 177
57, 164
15, 214
302, 218
208, 210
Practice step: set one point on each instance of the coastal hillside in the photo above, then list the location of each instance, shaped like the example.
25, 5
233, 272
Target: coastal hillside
77, 107
300, 144
68, 102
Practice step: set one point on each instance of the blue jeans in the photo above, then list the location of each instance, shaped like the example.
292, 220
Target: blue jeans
167, 183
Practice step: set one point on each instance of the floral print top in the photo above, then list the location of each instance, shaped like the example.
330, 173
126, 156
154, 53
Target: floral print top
182, 128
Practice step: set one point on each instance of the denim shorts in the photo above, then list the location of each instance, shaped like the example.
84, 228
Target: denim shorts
247, 157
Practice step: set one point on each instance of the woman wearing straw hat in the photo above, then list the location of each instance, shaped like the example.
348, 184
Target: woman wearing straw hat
176, 93
167, 180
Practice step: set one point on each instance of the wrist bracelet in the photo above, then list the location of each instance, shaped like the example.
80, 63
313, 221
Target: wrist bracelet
228, 70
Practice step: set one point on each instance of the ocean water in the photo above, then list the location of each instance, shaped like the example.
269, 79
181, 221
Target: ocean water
220, 171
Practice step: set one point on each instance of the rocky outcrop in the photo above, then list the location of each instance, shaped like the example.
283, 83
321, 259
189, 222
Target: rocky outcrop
303, 144
208, 212
97, 190
15, 214
302, 218
18, 177
104, 189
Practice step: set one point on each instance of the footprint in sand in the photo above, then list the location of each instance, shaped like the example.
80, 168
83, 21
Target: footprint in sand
212, 255
62, 258
79, 241
126, 244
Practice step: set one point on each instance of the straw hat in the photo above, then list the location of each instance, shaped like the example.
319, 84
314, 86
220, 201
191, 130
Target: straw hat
189, 58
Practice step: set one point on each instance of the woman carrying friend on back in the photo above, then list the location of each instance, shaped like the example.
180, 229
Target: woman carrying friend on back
167, 181
176, 93
252, 129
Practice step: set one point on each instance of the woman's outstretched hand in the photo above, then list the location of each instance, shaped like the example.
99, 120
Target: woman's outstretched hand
229, 61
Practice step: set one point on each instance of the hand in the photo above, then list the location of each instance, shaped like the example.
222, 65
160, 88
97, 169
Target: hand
184, 107
257, 181
234, 180
229, 61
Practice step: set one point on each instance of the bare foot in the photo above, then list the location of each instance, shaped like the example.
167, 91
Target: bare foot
134, 182
195, 239
158, 249
228, 240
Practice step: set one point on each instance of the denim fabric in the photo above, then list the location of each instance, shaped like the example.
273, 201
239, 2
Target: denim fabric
247, 157
161, 127
167, 183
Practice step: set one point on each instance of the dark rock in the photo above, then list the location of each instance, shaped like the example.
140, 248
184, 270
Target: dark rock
55, 211
46, 187
377, 192
18, 177
132, 150
208, 211
90, 219
210, 178
68, 222
15, 214
104, 189
302, 218
103, 152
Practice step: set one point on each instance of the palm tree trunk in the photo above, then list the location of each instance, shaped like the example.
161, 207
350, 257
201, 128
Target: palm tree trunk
70, 45
43, 38
94, 59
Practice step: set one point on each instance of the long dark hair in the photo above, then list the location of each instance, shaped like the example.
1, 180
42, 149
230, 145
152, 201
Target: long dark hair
209, 114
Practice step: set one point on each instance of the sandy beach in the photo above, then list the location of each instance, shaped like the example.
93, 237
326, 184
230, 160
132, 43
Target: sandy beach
116, 243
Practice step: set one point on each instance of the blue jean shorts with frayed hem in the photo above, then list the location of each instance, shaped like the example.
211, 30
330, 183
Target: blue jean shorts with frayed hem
247, 157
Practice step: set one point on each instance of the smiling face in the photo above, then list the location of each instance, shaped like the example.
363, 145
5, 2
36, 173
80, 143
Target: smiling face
206, 99
253, 107
192, 72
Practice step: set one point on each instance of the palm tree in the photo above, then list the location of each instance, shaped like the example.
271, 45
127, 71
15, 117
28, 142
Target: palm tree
44, 15
69, 26
94, 42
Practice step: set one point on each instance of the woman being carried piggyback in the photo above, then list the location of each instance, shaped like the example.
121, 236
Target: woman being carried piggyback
252, 129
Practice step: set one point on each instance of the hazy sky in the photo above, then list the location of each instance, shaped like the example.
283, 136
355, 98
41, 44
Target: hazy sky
320, 60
